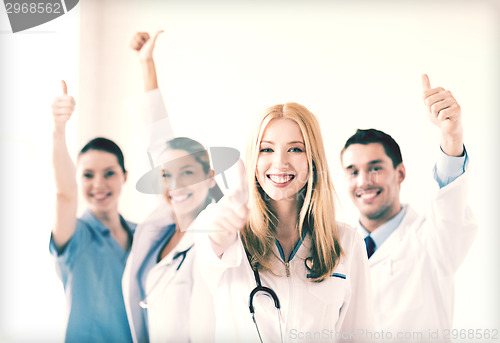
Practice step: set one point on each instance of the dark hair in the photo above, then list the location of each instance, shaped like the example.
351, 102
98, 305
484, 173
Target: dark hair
199, 153
107, 145
375, 136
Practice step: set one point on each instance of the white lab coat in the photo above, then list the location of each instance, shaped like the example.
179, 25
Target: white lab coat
413, 270
180, 306
310, 311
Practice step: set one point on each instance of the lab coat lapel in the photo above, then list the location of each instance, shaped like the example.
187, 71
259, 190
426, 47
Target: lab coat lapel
394, 240
184, 244
147, 234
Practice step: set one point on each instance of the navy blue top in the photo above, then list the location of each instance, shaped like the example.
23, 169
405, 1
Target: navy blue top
91, 267
150, 261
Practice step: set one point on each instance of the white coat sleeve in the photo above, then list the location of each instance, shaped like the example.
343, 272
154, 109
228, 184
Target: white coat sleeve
211, 266
356, 319
450, 226
202, 317
149, 113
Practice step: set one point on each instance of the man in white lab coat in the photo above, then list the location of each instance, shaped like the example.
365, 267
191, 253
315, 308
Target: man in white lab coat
412, 257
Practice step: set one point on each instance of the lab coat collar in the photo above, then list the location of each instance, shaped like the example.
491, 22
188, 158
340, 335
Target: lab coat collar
394, 240
152, 229
295, 248
304, 250
184, 244
380, 234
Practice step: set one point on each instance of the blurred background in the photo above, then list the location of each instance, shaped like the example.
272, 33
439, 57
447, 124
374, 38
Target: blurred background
354, 64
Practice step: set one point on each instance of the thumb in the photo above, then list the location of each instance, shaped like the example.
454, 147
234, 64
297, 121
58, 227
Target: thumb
240, 191
426, 83
153, 41
64, 87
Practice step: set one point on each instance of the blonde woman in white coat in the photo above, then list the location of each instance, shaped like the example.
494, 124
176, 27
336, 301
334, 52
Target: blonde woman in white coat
282, 234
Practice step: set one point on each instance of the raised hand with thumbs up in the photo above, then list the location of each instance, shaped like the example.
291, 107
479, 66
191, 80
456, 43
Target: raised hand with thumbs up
230, 215
445, 113
62, 107
64, 170
144, 45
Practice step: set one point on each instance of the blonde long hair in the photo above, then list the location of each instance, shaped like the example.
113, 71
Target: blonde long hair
317, 213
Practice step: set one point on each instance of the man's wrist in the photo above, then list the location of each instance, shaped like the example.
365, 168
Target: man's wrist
452, 145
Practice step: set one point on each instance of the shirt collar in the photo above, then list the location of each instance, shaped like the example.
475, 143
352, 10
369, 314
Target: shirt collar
380, 234
90, 218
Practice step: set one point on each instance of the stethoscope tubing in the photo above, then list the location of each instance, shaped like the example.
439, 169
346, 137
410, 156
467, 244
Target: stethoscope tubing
272, 294
143, 303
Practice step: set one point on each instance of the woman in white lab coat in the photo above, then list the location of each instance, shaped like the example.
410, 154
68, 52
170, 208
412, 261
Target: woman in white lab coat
165, 297
280, 242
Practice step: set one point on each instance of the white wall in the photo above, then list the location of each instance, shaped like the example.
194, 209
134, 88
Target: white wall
32, 64
354, 64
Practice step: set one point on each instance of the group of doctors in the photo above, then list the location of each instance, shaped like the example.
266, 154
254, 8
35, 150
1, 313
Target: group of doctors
267, 261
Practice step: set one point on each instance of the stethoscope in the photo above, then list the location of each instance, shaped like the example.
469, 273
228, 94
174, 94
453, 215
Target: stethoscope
270, 293
144, 302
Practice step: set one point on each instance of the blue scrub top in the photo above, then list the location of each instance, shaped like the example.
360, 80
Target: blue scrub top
91, 267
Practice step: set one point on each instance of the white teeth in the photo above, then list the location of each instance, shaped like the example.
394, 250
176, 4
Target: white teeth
179, 198
281, 178
100, 196
368, 194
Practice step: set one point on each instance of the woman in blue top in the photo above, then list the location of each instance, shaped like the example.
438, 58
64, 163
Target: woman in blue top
90, 251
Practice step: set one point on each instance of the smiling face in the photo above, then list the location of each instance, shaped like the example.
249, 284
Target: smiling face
186, 182
282, 169
373, 182
102, 179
